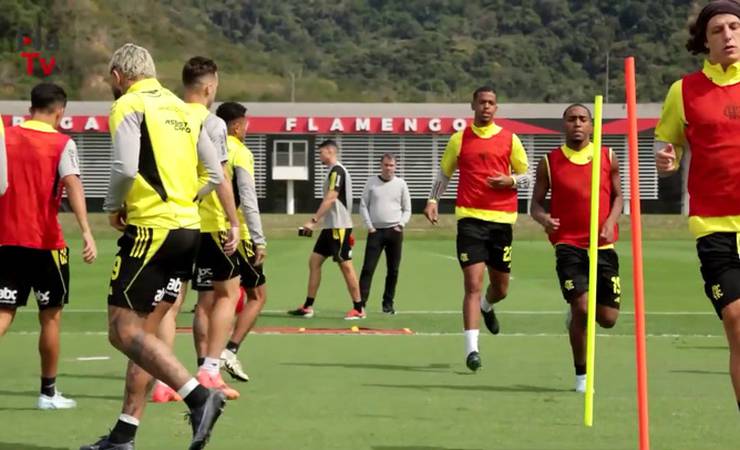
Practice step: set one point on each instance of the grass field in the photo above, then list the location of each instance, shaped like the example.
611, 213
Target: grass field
406, 392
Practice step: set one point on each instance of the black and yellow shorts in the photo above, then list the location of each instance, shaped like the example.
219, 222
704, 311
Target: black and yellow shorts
335, 242
571, 264
482, 241
23, 269
211, 263
252, 275
719, 254
150, 266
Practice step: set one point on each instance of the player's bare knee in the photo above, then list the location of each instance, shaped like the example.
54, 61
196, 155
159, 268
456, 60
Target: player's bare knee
496, 293
607, 322
579, 308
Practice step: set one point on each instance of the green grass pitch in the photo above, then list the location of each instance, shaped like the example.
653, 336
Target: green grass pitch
318, 392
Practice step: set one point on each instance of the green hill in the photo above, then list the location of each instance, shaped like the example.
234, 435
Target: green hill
360, 50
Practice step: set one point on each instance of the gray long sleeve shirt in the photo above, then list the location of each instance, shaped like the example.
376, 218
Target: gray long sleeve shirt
249, 205
385, 204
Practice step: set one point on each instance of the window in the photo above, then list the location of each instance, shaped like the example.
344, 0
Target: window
290, 154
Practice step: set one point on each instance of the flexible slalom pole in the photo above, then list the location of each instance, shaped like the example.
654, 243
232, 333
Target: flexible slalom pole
637, 273
593, 259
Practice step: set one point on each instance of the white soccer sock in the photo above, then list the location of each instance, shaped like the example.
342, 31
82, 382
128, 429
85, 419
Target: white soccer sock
484, 305
129, 419
211, 365
188, 387
580, 383
471, 341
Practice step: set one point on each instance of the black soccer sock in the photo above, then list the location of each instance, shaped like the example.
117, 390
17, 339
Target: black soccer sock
197, 397
232, 346
580, 369
309, 302
48, 386
201, 361
357, 306
122, 432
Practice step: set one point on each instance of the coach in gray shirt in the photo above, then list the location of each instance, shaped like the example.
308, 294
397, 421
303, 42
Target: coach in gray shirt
385, 208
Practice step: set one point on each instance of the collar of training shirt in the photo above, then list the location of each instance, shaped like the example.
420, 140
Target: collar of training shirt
720, 76
579, 157
486, 131
380, 177
38, 125
147, 84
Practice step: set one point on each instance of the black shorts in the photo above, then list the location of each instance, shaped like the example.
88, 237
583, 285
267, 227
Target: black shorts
211, 263
150, 266
23, 269
572, 268
482, 241
252, 275
335, 242
720, 268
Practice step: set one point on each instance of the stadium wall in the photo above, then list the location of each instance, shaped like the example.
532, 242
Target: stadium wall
283, 138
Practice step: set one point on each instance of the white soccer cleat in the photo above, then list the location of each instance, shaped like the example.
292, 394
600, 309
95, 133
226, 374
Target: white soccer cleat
58, 401
581, 384
230, 363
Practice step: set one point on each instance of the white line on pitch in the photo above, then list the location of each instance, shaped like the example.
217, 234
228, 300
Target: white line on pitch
535, 313
92, 358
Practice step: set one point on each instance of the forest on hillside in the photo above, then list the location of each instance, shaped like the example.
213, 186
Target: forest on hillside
366, 50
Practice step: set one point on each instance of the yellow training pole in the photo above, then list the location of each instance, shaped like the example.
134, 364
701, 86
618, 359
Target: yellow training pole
593, 259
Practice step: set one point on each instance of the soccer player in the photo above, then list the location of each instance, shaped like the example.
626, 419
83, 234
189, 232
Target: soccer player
566, 173
336, 238
492, 165
253, 246
701, 113
385, 209
157, 147
200, 79
33, 255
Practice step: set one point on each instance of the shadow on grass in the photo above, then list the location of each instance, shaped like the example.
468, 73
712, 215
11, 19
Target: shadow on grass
18, 446
701, 372
702, 347
427, 368
74, 396
91, 376
478, 388
411, 447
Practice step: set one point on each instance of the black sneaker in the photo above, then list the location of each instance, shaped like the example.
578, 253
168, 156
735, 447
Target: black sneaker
490, 320
105, 444
302, 312
473, 361
388, 308
204, 417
